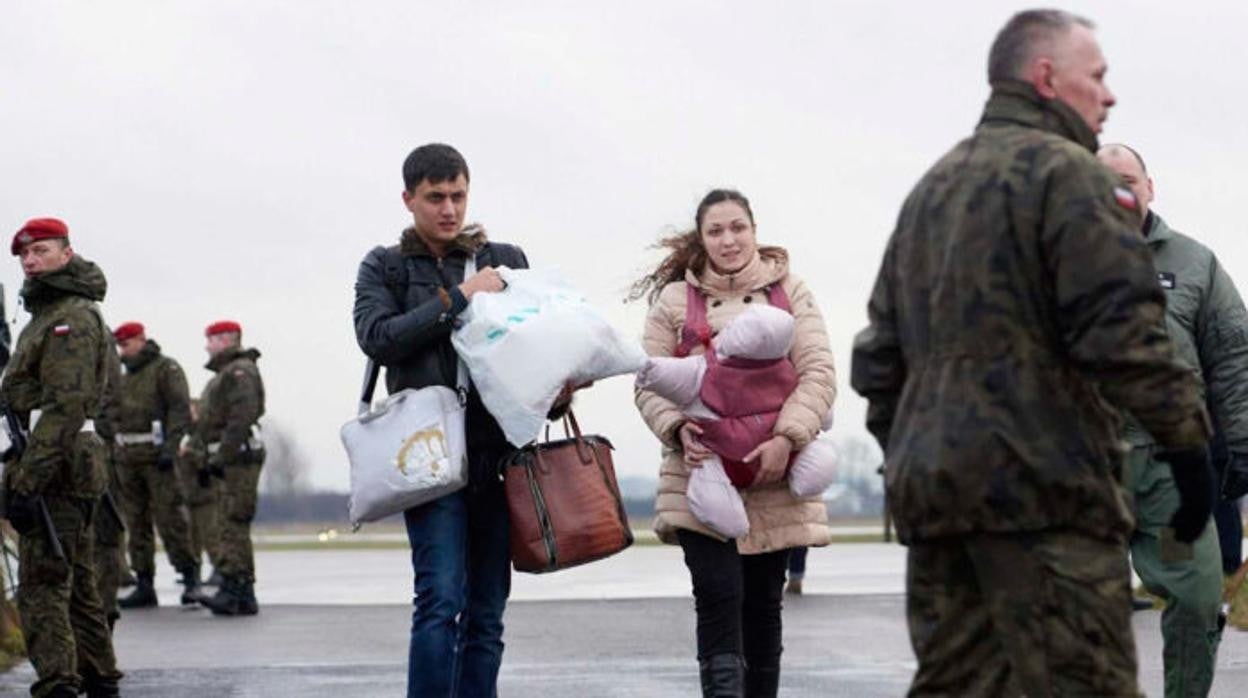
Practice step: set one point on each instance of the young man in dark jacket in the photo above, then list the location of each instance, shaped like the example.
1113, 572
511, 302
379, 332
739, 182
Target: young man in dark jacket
408, 298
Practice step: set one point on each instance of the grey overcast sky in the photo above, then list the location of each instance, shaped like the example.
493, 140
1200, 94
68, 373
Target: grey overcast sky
237, 159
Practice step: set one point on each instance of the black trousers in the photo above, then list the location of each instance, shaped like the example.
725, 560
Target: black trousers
738, 599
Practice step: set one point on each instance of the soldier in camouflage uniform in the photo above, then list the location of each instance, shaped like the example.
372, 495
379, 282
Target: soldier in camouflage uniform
55, 383
154, 414
201, 492
1206, 320
225, 439
1015, 299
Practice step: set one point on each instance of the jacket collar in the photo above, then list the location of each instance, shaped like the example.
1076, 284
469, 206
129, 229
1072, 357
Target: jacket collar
77, 278
766, 267
1156, 230
469, 241
149, 353
1017, 102
220, 361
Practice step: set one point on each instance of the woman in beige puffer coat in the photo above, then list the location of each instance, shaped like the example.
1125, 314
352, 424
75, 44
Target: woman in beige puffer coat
737, 584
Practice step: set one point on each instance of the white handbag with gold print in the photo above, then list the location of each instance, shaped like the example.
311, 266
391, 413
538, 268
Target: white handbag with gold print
409, 449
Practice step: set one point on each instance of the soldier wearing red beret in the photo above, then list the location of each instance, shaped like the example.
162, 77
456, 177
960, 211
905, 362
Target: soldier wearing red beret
154, 413
56, 384
226, 440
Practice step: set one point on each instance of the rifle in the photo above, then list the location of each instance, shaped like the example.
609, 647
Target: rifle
18, 439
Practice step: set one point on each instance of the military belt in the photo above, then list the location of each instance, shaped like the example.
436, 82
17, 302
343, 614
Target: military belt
252, 444
133, 439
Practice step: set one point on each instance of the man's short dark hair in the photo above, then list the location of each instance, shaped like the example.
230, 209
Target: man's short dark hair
435, 162
1018, 40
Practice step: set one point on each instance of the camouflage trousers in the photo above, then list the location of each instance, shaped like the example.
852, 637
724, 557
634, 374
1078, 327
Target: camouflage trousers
202, 505
238, 508
1028, 614
108, 562
154, 504
67, 637
1188, 577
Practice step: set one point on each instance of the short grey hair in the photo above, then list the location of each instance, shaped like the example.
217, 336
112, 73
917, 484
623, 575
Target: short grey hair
1016, 43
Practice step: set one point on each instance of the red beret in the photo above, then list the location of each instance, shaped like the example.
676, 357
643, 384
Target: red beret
127, 330
38, 229
222, 326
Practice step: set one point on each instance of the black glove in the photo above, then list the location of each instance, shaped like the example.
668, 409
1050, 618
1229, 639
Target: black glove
22, 513
1235, 478
1193, 477
203, 478
164, 463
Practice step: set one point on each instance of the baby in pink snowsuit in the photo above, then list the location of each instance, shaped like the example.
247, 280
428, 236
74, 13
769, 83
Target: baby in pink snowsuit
734, 391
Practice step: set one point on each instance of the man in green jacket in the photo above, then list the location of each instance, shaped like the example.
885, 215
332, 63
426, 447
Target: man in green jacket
154, 414
55, 384
226, 440
1015, 304
1208, 325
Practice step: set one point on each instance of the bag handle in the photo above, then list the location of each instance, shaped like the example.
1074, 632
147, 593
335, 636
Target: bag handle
587, 454
372, 370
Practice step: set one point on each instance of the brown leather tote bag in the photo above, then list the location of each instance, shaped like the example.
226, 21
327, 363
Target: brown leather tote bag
564, 503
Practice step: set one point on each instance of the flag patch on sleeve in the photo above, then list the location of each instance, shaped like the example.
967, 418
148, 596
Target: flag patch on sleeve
1125, 198
60, 330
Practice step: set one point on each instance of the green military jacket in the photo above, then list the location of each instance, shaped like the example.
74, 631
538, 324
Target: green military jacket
57, 379
1014, 300
231, 403
1208, 324
153, 390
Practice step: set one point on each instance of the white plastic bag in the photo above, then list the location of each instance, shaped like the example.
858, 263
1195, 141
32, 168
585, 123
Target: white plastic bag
523, 345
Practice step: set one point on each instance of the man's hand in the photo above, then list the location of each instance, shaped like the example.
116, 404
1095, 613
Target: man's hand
487, 280
1194, 479
203, 477
564, 401
22, 513
695, 451
164, 463
772, 457
1235, 479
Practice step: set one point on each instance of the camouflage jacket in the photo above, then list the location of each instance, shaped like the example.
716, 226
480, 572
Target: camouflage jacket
57, 380
1208, 324
1015, 298
232, 402
153, 389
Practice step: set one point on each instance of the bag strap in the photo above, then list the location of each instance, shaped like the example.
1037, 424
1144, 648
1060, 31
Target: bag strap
777, 298
372, 370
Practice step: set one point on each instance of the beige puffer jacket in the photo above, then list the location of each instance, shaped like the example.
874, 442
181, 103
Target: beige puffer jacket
778, 519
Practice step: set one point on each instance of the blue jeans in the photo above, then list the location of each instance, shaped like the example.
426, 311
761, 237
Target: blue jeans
462, 566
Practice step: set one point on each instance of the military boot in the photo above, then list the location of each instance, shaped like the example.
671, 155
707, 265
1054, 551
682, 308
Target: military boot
234, 598
723, 676
190, 583
214, 579
143, 596
62, 691
102, 689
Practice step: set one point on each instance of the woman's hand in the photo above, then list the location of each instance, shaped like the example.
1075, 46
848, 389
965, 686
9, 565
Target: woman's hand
695, 451
772, 457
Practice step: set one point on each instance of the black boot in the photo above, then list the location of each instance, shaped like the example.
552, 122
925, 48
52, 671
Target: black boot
190, 583
234, 598
62, 691
127, 579
102, 689
214, 579
143, 596
723, 676
762, 681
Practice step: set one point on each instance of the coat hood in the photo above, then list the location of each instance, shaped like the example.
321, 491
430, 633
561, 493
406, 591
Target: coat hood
219, 361
78, 278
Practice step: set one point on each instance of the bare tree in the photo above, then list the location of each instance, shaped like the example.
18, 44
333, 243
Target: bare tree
285, 470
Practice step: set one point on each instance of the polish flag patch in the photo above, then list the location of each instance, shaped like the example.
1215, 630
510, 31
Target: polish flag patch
1125, 198
60, 330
